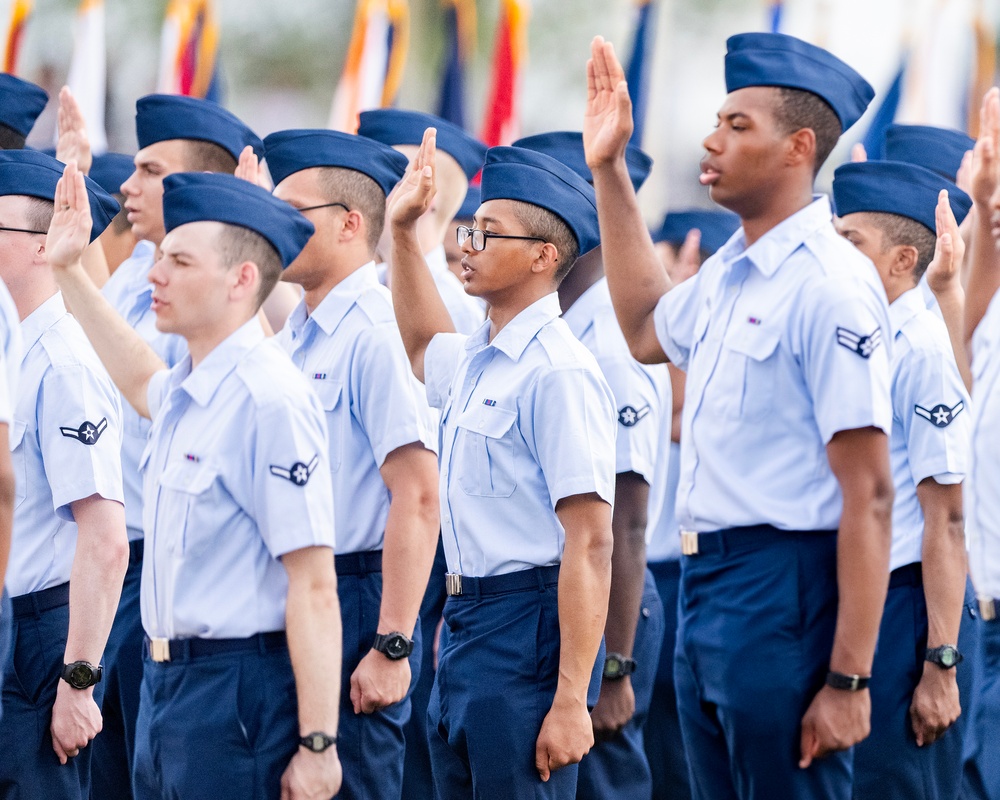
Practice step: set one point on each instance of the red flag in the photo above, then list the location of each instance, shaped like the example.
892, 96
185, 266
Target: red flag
502, 122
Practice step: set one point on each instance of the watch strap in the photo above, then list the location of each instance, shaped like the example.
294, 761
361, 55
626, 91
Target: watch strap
317, 741
947, 656
381, 644
68, 670
847, 683
617, 666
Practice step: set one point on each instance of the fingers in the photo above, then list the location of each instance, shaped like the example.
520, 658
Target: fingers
601, 71
247, 168
964, 177
858, 154
615, 70
591, 81
542, 761
808, 745
356, 694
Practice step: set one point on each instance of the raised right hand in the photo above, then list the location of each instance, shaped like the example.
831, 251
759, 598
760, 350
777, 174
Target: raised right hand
607, 125
985, 163
413, 195
69, 232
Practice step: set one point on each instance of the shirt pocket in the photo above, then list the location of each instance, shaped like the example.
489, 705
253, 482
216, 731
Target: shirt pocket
486, 449
338, 417
19, 461
755, 361
182, 486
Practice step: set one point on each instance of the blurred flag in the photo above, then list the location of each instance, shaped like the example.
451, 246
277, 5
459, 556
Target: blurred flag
502, 122
460, 41
984, 69
639, 65
775, 12
88, 71
189, 48
376, 57
19, 14
885, 115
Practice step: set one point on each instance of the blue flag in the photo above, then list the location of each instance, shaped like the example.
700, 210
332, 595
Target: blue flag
639, 66
884, 116
451, 105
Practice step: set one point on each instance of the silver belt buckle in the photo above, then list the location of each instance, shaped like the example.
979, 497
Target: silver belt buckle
452, 584
689, 543
987, 609
159, 649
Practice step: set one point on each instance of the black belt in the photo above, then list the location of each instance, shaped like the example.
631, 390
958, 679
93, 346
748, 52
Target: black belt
358, 563
665, 569
752, 537
135, 550
539, 578
910, 575
34, 603
187, 649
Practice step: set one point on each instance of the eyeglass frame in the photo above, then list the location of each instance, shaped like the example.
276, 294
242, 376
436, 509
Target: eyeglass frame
22, 230
323, 205
487, 235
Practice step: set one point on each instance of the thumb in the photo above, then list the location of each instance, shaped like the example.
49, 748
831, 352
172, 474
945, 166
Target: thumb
808, 744
542, 760
356, 694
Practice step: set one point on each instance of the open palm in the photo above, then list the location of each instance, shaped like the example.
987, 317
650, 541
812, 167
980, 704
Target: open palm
607, 124
413, 195
69, 232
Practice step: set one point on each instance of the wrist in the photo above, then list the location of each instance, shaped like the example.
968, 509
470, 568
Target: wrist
847, 682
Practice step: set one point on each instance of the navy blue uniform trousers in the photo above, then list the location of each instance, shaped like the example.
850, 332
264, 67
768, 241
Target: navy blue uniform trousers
29, 768
618, 766
114, 747
662, 734
418, 780
6, 631
221, 726
757, 615
498, 667
370, 746
888, 765
981, 778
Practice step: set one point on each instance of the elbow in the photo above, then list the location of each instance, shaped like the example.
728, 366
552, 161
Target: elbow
599, 549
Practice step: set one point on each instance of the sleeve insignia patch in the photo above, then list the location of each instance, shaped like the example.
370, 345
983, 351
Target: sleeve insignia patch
298, 473
88, 433
864, 346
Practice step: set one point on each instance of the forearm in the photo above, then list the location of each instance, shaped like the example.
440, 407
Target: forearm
312, 622
96, 577
984, 273
7, 493
584, 589
952, 305
96, 263
635, 276
628, 568
944, 561
128, 359
411, 534
420, 312
863, 545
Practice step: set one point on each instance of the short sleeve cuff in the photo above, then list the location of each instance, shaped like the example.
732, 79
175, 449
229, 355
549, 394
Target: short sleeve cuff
661, 314
156, 391
440, 359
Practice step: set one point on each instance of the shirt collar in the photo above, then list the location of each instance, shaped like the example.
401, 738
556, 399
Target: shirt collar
518, 333
580, 315
769, 252
437, 261
143, 254
904, 308
340, 299
41, 319
202, 382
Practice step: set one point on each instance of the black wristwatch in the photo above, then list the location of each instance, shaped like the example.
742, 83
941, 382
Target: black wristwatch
946, 656
317, 741
847, 683
617, 666
395, 646
81, 674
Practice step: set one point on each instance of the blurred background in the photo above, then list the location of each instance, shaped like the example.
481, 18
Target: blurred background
501, 68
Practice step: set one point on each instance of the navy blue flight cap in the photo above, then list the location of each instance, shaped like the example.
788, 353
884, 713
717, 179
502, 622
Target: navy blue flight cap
393, 126
516, 173
938, 149
774, 59
895, 187
716, 227
111, 170
292, 151
20, 103
473, 199
161, 117
567, 147
214, 197
34, 174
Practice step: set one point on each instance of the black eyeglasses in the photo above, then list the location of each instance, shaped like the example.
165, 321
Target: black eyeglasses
463, 234
22, 230
324, 205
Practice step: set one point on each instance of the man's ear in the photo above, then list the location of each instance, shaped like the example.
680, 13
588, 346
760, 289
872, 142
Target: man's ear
904, 259
353, 225
801, 147
547, 258
246, 277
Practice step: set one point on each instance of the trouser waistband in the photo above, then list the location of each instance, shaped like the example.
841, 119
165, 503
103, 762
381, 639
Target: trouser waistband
34, 603
160, 650
729, 540
910, 575
358, 563
539, 578
136, 548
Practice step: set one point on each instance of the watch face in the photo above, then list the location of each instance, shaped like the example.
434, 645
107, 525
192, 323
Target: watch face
80, 676
612, 667
395, 647
317, 742
948, 657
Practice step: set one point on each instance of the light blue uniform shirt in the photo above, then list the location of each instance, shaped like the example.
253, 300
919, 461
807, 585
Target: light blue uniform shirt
11, 351
527, 420
982, 493
66, 445
236, 474
641, 392
931, 420
130, 292
351, 353
785, 343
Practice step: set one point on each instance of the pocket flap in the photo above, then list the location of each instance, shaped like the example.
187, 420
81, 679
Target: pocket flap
754, 342
17, 431
488, 421
188, 477
329, 393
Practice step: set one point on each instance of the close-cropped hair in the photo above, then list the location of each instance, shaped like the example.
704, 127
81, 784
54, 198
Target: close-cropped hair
899, 230
202, 156
359, 193
38, 213
237, 245
541, 222
796, 109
